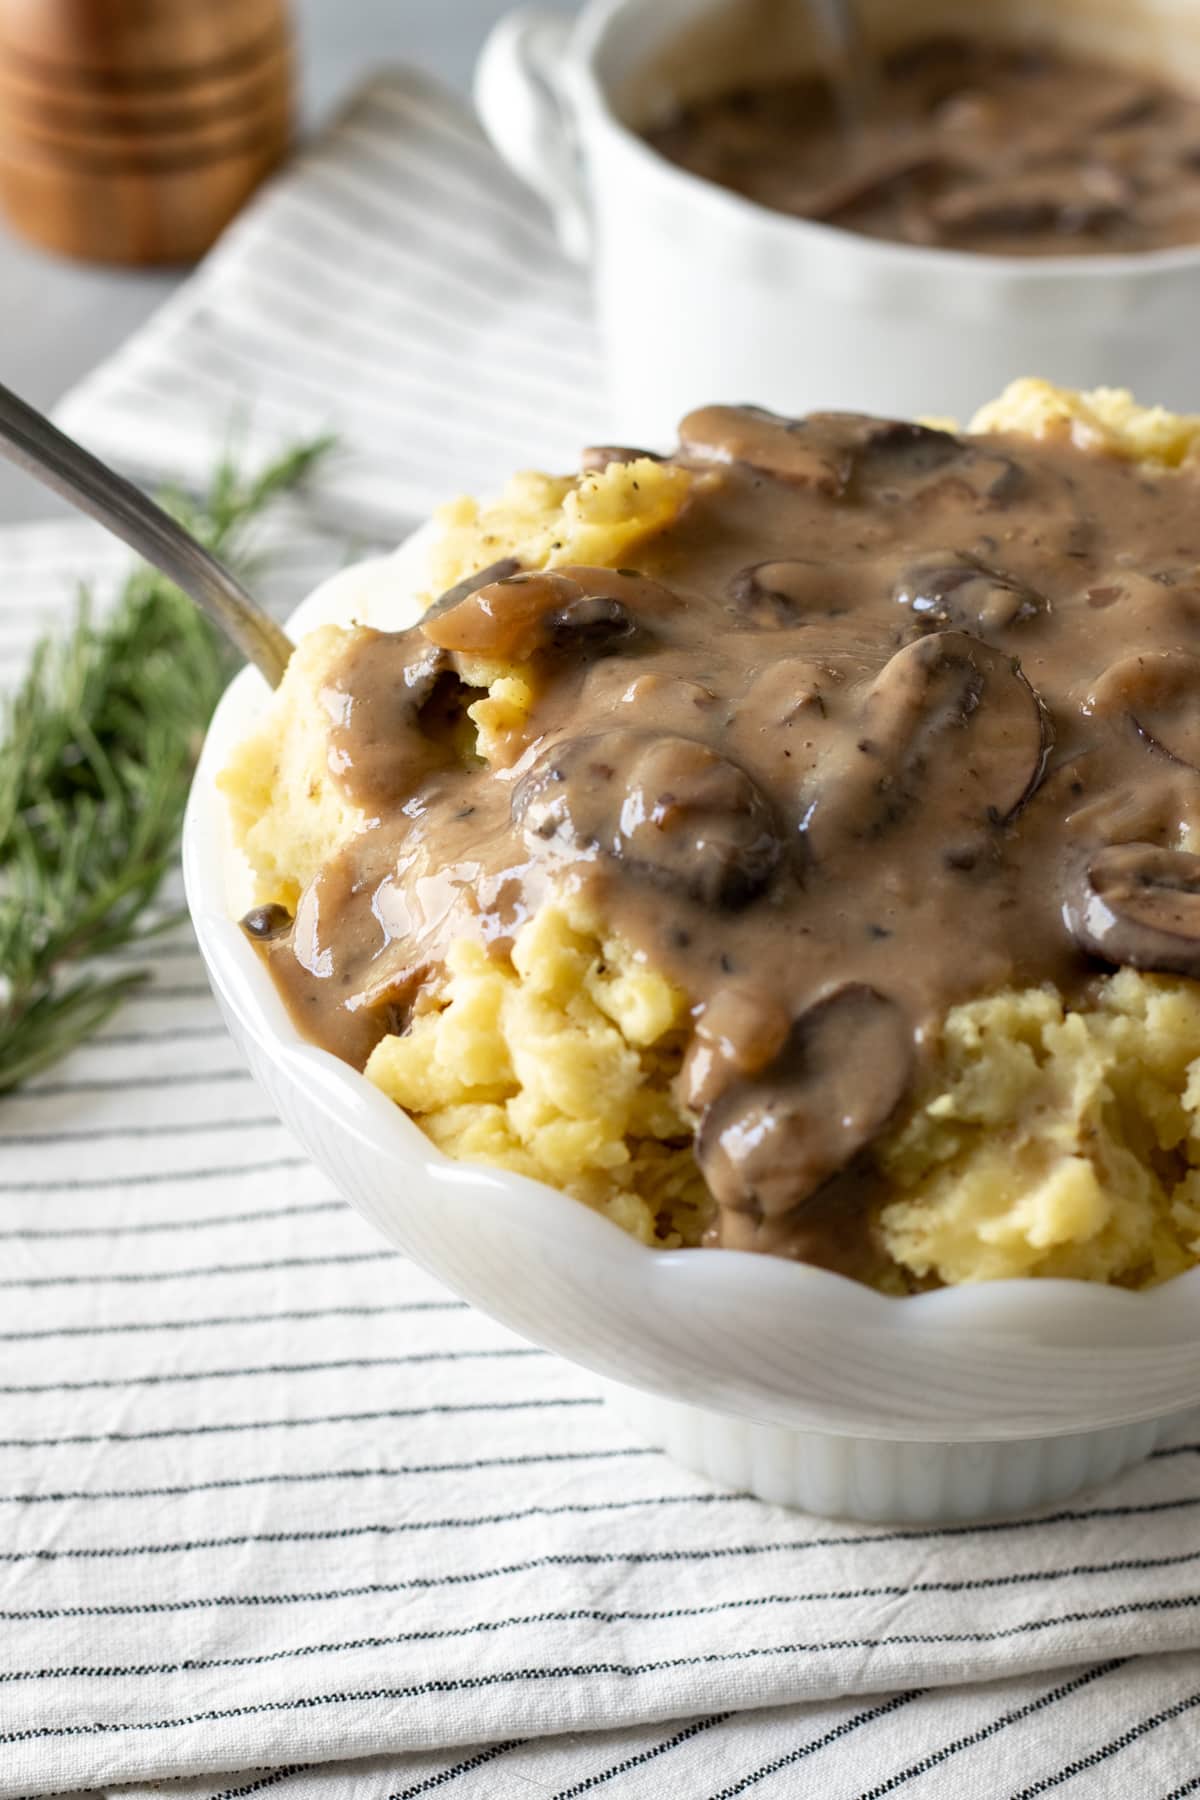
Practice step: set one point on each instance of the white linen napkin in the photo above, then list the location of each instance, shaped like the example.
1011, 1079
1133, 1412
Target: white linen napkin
284, 1516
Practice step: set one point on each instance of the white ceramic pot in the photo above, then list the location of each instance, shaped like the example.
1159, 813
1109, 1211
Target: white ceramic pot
787, 1381
704, 296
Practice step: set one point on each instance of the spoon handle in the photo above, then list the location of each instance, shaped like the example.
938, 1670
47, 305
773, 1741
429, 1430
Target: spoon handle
28, 439
851, 64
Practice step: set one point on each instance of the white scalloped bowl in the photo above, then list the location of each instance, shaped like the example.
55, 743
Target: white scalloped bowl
801, 1386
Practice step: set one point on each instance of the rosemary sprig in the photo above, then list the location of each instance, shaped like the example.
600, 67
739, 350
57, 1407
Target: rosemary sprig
98, 747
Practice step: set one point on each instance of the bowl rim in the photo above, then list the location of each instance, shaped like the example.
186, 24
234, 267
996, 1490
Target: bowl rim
587, 41
1052, 1312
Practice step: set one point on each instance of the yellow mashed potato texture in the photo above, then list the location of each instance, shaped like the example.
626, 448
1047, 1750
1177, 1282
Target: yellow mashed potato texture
1046, 1142
558, 1064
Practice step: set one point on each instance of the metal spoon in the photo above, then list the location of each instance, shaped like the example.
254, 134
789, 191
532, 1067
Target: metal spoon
850, 65
28, 439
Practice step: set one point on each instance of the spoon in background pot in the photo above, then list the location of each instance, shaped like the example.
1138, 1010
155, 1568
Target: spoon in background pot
28, 439
850, 73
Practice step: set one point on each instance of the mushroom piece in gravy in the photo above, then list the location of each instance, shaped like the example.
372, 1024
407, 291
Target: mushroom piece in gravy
968, 144
854, 743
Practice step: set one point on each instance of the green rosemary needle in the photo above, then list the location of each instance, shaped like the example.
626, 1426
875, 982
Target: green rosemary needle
97, 751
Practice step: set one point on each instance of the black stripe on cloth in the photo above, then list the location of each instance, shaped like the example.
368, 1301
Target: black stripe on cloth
288, 1315
1050, 1698
94, 1672
376, 1528
95, 1134
265, 1781
448, 1633
102, 1278
600, 1558
303, 1368
468, 1767
622, 1452
820, 1743
144, 1227
68, 1794
463, 1684
117, 1084
347, 1418
1094, 1758
629, 1763
570, 1616
1174, 1450
91, 1184
1181, 1793
903, 1640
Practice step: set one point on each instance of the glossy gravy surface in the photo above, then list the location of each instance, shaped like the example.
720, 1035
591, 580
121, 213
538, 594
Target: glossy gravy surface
886, 720
970, 145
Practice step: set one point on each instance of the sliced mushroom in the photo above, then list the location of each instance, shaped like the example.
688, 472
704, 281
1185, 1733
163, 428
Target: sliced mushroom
597, 457
956, 589
1139, 905
900, 448
741, 1030
786, 593
593, 624
668, 808
882, 183
766, 1146
898, 460
1028, 207
789, 715
841, 455
948, 724
1137, 106
801, 451
504, 618
497, 571
591, 611
793, 691
1158, 691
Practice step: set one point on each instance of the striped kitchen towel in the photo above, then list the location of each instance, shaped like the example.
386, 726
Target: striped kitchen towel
395, 286
274, 1498
283, 1516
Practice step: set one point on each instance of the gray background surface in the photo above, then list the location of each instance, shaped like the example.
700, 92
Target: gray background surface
58, 319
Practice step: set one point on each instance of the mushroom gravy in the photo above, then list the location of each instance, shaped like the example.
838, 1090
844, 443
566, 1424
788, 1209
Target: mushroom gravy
886, 720
971, 145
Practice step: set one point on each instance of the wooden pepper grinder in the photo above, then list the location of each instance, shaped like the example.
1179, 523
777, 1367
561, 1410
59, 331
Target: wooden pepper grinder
131, 131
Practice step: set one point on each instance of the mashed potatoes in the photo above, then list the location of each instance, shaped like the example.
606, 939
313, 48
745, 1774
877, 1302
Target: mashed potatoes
558, 1064
1054, 1142
1046, 1142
